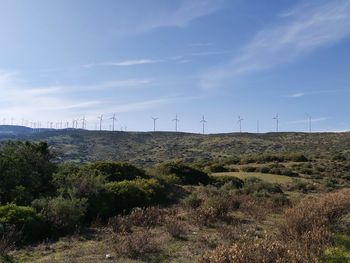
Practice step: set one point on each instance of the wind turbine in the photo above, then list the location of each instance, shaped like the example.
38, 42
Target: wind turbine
114, 120
176, 121
203, 121
101, 119
310, 122
258, 127
154, 123
277, 121
83, 124
240, 123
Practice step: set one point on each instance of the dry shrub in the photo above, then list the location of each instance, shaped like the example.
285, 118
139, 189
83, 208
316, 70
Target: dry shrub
147, 217
175, 228
120, 224
307, 225
316, 212
254, 207
8, 239
302, 238
136, 245
250, 251
203, 216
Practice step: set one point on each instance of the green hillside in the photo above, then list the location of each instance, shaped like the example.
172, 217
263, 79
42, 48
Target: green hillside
148, 148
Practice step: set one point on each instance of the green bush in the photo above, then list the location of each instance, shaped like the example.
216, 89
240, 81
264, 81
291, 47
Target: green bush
192, 201
73, 182
248, 169
25, 219
223, 179
116, 172
65, 215
188, 175
303, 186
123, 196
297, 157
258, 187
217, 168
26, 172
263, 169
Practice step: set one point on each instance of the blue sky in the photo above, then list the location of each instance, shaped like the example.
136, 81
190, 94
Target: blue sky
62, 59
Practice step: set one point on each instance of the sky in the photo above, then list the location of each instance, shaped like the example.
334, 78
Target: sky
61, 60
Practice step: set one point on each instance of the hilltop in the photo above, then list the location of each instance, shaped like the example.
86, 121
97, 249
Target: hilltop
148, 148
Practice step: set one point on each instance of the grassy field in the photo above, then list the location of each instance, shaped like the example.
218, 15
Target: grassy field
271, 178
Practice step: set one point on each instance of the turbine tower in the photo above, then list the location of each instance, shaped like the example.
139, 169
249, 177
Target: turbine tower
101, 119
240, 123
83, 124
176, 121
277, 121
258, 126
154, 123
203, 121
114, 119
310, 122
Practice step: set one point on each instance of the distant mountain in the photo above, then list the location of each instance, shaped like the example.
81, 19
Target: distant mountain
13, 130
148, 148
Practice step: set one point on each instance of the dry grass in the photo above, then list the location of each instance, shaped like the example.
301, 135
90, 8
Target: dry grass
303, 237
137, 245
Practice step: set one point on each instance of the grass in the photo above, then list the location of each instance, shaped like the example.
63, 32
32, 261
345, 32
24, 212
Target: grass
271, 178
340, 252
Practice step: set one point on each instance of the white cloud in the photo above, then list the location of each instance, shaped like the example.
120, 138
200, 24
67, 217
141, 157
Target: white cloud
132, 62
20, 100
187, 12
305, 121
297, 95
304, 29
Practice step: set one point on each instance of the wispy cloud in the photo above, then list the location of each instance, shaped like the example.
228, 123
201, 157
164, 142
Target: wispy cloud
316, 92
188, 11
132, 62
303, 29
21, 100
207, 44
297, 95
305, 121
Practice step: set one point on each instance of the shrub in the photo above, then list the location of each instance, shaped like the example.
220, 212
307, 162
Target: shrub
146, 217
175, 228
120, 224
116, 172
78, 183
26, 172
258, 187
289, 173
250, 251
217, 168
302, 186
123, 196
307, 225
263, 169
32, 225
192, 201
186, 174
136, 245
9, 235
297, 157
223, 179
66, 215
248, 169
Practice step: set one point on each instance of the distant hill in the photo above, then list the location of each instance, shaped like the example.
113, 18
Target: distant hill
148, 148
11, 130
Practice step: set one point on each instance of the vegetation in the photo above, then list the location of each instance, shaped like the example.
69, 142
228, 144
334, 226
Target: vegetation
271, 207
